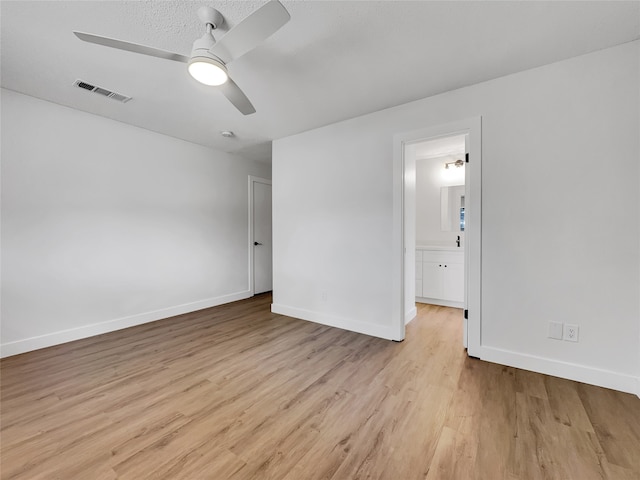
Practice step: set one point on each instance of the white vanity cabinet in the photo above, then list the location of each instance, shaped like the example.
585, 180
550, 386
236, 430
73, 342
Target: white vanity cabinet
440, 276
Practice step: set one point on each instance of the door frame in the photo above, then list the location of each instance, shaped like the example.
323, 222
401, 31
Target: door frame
252, 179
402, 206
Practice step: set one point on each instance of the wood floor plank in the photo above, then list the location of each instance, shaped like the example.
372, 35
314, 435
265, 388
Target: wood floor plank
565, 403
236, 392
496, 455
616, 420
536, 439
442, 465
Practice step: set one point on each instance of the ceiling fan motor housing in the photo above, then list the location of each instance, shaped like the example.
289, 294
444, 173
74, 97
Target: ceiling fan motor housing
204, 66
202, 45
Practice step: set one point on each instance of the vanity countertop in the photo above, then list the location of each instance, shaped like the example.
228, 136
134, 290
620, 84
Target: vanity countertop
445, 248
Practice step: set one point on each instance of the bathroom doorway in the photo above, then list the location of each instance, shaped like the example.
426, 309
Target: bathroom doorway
434, 268
440, 220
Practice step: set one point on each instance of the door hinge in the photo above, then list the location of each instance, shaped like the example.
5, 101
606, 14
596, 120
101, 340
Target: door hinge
466, 157
466, 314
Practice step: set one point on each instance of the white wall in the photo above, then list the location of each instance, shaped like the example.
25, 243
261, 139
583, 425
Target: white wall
105, 225
560, 232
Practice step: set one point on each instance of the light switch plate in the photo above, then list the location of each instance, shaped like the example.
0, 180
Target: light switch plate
555, 330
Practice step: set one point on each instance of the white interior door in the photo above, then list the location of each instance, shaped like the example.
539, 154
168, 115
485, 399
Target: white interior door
261, 242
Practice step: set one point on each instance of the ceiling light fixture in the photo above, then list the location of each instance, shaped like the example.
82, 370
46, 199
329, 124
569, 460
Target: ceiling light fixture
227, 134
458, 163
205, 67
208, 71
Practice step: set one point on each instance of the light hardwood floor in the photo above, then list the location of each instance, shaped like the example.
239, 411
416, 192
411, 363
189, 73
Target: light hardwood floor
236, 392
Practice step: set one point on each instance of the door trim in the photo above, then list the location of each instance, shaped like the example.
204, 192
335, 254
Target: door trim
473, 228
252, 179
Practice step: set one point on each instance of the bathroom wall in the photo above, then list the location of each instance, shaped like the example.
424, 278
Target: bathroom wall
431, 176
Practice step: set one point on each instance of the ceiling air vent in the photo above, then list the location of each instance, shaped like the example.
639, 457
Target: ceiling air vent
102, 91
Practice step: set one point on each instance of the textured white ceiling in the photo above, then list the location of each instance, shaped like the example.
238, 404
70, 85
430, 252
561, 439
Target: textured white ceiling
334, 59
440, 147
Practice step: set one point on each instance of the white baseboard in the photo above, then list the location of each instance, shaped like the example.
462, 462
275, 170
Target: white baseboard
64, 336
571, 371
410, 315
442, 303
381, 331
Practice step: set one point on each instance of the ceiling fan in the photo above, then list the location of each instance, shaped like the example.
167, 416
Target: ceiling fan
208, 60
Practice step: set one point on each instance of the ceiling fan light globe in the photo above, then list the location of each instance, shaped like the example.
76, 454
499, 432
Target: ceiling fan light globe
208, 71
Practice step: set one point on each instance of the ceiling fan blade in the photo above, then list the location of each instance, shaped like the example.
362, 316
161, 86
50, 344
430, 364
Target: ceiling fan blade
237, 97
131, 47
252, 31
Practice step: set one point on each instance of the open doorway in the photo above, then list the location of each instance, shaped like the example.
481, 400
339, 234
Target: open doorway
440, 220
433, 268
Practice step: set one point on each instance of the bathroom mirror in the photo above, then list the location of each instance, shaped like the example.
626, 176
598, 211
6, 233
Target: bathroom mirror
452, 208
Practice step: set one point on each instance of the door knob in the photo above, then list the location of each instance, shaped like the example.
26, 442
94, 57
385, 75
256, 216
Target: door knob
257, 243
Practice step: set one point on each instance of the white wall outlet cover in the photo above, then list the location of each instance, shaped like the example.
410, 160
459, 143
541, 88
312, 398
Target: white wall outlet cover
571, 332
555, 330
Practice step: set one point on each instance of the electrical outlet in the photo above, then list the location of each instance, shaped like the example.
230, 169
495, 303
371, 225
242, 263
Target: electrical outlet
571, 332
555, 330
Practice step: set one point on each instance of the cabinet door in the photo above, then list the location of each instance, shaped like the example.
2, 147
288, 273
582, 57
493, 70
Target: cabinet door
453, 282
432, 286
